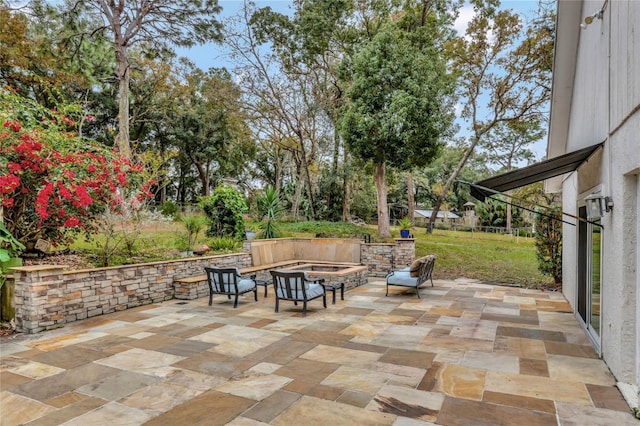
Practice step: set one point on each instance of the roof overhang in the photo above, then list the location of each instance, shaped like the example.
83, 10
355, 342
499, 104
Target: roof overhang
568, 31
534, 173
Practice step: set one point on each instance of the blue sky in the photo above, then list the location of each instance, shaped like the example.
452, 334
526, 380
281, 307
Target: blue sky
212, 55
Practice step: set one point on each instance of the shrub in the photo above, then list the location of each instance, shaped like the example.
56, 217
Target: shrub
224, 244
548, 241
169, 209
54, 183
224, 210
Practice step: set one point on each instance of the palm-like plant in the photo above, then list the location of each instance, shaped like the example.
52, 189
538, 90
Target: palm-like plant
193, 226
269, 209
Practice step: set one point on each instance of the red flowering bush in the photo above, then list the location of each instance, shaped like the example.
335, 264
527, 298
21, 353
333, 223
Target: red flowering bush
53, 183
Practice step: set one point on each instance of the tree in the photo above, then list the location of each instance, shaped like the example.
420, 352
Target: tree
498, 60
313, 43
151, 25
208, 126
507, 144
282, 109
399, 105
224, 209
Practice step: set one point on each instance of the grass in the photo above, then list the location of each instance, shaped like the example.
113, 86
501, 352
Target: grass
487, 257
484, 256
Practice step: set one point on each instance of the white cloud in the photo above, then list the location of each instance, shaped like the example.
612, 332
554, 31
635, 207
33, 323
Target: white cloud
463, 19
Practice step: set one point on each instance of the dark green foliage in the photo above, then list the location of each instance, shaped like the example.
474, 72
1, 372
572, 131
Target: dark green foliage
270, 210
400, 105
494, 213
169, 209
224, 209
223, 244
548, 241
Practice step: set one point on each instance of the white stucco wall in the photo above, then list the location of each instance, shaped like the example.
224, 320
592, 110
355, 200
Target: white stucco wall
569, 235
588, 122
605, 107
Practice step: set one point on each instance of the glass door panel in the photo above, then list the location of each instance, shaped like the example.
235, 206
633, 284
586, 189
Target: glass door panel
594, 317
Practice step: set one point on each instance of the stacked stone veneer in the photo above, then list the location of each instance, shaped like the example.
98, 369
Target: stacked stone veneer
48, 297
383, 258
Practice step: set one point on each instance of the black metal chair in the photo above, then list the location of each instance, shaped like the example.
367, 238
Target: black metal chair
413, 276
297, 287
229, 281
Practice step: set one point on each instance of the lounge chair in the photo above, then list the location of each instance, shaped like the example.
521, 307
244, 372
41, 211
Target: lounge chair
413, 276
229, 281
297, 287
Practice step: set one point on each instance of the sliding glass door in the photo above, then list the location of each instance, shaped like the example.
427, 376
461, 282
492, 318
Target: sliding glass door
589, 276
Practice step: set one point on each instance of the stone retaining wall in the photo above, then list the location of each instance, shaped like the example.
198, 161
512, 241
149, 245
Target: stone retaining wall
47, 297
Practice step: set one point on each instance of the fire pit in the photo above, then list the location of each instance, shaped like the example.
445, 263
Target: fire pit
333, 273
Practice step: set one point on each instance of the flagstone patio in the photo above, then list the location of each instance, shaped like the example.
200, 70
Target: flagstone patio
464, 354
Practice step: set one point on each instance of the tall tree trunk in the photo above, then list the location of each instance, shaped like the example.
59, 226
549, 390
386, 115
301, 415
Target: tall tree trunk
380, 180
508, 211
508, 224
307, 178
295, 208
333, 186
345, 188
445, 188
123, 76
411, 201
277, 173
204, 177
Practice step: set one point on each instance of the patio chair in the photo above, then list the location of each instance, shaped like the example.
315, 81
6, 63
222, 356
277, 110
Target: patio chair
413, 276
229, 281
297, 287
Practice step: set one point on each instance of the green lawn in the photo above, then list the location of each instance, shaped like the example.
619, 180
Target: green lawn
484, 256
487, 257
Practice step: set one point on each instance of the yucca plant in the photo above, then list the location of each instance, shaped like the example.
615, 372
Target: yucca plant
193, 225
269, 209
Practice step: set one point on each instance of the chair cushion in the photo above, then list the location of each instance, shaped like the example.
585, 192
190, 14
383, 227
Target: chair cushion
313, 290
243, 285
414, 269
402, 278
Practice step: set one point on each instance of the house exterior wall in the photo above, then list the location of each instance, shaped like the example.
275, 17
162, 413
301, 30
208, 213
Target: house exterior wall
605, 107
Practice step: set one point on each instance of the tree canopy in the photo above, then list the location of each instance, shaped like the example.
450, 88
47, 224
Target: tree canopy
400, 107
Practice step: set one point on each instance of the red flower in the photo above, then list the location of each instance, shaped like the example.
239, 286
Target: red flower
83, 198
64, 191
71, 221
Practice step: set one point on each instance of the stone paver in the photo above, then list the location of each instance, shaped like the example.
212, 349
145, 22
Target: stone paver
465, 353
